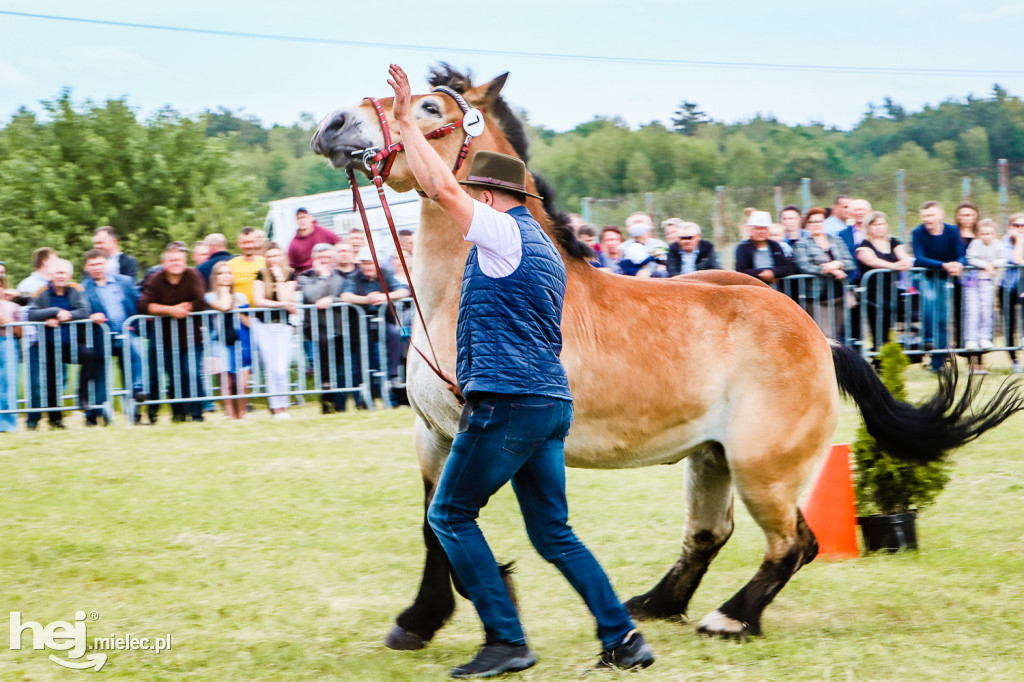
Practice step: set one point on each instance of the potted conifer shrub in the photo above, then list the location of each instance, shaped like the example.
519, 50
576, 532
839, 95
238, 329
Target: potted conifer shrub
890, 491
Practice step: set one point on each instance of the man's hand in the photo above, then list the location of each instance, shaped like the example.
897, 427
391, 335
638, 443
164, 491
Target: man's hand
767, 276
953, 267
376, 298
324, 303
402, 105
98, 318
181, 310
52, 322
63, 316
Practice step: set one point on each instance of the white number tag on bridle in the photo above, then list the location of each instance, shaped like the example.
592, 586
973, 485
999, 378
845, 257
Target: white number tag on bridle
473, 123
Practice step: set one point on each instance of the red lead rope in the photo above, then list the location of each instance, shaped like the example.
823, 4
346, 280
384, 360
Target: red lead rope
435, 366
372, 163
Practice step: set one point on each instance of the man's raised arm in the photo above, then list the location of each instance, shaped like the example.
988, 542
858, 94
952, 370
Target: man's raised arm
432, 173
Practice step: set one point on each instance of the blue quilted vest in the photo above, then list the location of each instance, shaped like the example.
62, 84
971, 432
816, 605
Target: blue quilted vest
509, 333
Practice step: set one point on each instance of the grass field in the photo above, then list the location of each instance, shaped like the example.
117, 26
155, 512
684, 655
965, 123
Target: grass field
283, 551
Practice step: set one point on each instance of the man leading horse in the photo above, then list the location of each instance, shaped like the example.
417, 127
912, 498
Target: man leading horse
518, 405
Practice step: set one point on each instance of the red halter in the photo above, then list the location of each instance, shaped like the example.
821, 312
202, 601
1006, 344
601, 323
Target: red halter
372, 158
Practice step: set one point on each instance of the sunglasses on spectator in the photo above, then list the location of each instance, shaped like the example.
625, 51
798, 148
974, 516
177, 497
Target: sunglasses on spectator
1012, 225
686, 238
815, 222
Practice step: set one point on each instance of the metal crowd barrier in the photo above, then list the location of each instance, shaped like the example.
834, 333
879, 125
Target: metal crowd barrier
359, 354
31, 360
926, 309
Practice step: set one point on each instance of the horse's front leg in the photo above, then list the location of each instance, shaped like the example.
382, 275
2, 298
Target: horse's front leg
435, 602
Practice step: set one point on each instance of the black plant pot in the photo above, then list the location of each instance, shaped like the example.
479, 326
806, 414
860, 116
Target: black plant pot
891, 532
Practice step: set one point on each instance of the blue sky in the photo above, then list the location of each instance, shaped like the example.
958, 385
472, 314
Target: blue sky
276, 81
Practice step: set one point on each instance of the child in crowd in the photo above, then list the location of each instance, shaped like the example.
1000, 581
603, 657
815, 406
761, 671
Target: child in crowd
231, 348
986, 254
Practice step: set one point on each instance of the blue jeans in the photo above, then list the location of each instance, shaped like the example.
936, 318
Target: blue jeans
933, 310
8, 382
517, 438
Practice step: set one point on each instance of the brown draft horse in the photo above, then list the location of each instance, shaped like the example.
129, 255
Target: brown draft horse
735, 381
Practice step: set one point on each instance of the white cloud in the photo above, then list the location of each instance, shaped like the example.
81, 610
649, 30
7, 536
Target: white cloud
111, 59
10, 77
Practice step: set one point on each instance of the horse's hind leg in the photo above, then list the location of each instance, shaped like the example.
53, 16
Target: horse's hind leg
435, 602
708, 526
790, 545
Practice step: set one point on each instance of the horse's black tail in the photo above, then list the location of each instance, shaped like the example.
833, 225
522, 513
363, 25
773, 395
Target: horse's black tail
925, 432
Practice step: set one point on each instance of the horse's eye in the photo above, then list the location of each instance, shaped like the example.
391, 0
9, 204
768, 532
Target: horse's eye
431, 108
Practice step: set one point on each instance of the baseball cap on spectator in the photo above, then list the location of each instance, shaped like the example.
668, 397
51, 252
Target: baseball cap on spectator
364, 255
636, 253
759, 219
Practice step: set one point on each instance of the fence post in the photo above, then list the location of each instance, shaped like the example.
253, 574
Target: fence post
778, 204
1004, 191
585, 208
719, 217
965, 188
901, 202
649, 204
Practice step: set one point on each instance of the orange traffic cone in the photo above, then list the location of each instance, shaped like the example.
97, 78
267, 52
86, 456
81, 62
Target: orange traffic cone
831, 510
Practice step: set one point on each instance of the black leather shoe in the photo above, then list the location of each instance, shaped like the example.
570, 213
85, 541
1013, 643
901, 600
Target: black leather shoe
496, 659
633, 652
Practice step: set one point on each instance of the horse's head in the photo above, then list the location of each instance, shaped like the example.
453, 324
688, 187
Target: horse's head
351, 138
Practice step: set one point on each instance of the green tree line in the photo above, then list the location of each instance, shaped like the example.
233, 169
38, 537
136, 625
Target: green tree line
79, 165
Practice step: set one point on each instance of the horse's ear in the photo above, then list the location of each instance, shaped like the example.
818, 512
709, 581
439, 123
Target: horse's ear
482, 95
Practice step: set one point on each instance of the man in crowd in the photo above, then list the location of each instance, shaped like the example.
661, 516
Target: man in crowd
407, 240
324, 325
760, 256
836, 222
641, 230
364, 288
689, 253
105, 240
853, 234
172, 293
56, 304
611, 249
509, 324
309, 234
218, 244
43, 259
937, 247
357, 239
246, 266
112, 300
200, 253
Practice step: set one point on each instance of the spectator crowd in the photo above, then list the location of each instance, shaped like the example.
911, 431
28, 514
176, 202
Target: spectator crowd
187, 333
853, 268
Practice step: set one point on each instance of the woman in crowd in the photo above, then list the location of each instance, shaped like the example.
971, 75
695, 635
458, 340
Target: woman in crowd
966, 217
826, 256
882, 252
1010, 288
274, 287
967, 221
8, 354
231, 350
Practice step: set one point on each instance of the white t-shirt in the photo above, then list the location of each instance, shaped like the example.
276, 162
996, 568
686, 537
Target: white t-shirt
499, 244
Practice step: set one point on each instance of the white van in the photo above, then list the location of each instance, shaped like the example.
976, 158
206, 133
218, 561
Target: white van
334, 210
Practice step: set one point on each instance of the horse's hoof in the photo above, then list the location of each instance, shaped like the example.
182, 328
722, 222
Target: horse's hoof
401, 639
640, 608
717, 624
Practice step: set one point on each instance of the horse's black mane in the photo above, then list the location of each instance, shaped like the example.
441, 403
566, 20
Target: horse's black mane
515, 133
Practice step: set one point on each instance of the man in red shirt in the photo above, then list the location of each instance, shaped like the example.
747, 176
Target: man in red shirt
311, 233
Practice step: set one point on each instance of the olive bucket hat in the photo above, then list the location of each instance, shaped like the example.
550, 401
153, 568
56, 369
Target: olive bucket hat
500, 171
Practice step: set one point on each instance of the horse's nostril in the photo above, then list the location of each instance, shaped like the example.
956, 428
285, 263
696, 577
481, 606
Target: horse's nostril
337, 122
